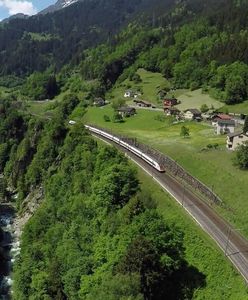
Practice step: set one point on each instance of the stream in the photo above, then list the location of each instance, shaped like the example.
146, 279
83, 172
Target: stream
9, 249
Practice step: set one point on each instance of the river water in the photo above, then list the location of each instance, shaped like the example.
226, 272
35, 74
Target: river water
9, 248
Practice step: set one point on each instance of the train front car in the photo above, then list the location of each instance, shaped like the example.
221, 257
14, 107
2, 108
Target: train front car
150, 160
160, 167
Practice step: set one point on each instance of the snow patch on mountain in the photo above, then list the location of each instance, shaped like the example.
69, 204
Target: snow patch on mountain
58, 5
68, 2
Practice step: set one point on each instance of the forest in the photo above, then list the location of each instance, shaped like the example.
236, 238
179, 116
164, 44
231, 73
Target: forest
90, 238
207, 49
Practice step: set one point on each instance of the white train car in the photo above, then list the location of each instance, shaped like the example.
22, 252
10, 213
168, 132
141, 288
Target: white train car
150, 160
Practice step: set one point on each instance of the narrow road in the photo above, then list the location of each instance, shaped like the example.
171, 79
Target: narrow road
230, 241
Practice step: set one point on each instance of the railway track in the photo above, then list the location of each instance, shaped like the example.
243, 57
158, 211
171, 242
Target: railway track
230, 241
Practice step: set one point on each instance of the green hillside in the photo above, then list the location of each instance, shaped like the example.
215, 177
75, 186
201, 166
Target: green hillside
104, 230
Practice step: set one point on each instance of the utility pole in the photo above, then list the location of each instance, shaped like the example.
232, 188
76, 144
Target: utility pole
228, 239
183, 195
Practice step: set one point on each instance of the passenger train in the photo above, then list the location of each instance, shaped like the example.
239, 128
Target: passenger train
154, 163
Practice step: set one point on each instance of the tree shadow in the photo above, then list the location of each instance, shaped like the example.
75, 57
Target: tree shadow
181, 284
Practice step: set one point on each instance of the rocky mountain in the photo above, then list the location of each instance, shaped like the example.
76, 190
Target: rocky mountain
58, 5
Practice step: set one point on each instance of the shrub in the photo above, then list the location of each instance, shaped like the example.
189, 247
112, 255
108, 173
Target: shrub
241, 159
204, 108
106, 118
117, 118
184, 131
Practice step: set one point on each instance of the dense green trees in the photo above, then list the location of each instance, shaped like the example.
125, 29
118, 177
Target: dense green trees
36, 43
198, 53
245, 127
189, 42
40, 86
95, 235
232, 81
241, 158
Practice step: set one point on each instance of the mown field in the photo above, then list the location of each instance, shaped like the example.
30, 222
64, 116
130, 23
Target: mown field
195, 99
44, 108
241, 108
151, 84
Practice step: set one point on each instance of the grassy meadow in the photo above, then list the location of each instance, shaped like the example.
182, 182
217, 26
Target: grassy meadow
195, 99
150, 85
44, 108
240, 108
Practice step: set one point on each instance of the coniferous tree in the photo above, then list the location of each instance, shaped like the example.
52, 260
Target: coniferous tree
245, 128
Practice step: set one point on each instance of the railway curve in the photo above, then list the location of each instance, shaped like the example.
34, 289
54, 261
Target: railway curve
230, 241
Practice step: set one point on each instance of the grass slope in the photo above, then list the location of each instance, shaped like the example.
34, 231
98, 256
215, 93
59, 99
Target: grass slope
195, 99
151, 84
241, 108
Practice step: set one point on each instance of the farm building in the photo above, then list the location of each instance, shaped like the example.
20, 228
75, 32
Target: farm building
218, 117
233, 140
143, 103
171, 111
126, 111
129, 94
169, 102
99, 102
192, 114
224, 126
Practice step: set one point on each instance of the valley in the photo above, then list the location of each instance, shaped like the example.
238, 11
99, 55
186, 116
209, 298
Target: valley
88, 222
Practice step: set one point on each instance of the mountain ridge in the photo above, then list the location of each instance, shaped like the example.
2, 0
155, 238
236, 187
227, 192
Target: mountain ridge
16, 16
60, 4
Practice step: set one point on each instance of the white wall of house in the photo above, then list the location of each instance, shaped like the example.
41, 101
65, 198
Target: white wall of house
234, 142
188, 115
128, 94
224, 128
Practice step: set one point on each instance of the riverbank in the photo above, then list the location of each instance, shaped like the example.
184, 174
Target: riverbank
9, 248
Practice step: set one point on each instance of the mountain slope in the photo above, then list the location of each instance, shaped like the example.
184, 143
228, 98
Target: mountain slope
17, 16
60, 37
69, 31
58, 5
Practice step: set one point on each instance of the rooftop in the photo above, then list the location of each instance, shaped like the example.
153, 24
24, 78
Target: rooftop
231, 135
222, 117
126, 109
194, 111
226, 122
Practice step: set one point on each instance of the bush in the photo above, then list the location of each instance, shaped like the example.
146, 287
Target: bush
117, 118
135, 78
213, 146
106, 118
117, 103
241, 159
204, 108
194, 86
205, 89
184, 131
